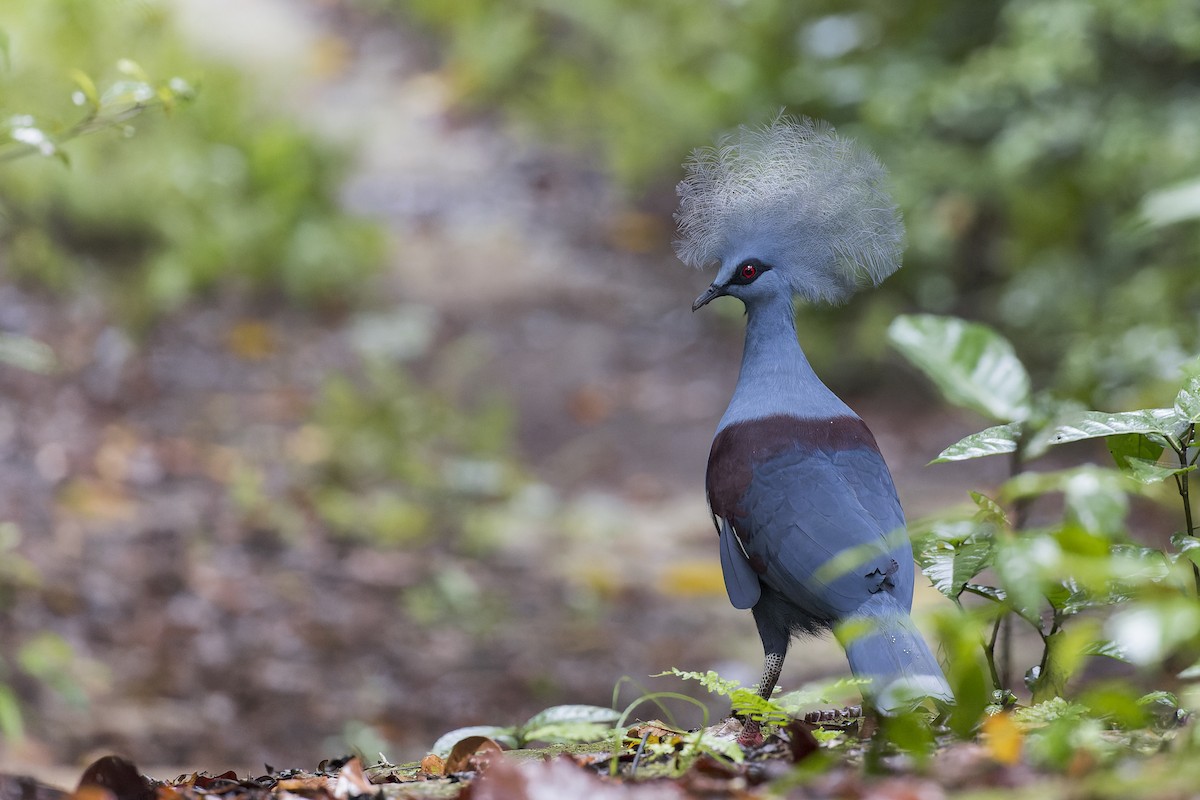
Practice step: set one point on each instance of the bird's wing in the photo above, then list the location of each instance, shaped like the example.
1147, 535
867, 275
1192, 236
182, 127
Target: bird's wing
824, 527
741, 582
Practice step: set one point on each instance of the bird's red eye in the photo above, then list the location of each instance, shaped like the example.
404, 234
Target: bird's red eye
748, 271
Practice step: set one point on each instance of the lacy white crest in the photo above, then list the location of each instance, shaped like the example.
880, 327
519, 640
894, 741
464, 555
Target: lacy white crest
798, 196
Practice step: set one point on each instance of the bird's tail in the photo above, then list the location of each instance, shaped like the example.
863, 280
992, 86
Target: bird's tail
883, 644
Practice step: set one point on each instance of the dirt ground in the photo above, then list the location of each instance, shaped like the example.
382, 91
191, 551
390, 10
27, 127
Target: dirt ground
207, 641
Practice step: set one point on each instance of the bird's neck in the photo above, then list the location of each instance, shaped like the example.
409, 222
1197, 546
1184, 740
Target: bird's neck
776, 377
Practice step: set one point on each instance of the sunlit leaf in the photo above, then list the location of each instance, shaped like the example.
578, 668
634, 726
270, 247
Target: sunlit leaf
1021, 564
972, 365
1106, 648
1096, 498
556, 715
950, 566
1095, 424
1097, 501
990, 592
1049, 711
562, 732
711, 681
1148, 632
1188, 545
991, 441
26, 353
1172, 204
127, 66
86, 88
989, 509
1150, 472
1187, 402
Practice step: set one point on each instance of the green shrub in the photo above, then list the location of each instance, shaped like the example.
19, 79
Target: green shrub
1030, 144
222, 192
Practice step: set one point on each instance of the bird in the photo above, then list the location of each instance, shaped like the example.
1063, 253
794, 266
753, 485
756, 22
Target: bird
811, 533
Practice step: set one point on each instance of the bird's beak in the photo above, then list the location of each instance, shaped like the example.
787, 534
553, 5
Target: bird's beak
709, 294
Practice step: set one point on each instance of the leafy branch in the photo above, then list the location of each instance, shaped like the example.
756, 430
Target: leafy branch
1047, 576
117, 104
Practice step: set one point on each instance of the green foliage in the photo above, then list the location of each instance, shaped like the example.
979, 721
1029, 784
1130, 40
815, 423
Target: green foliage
47, 658
555, 725
1083, 585
970, 366
1043, 153
124, 99
223, 192
747, 704
399, 463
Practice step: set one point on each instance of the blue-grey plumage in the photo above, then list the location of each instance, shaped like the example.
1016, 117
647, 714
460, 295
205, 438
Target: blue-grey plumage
811, 532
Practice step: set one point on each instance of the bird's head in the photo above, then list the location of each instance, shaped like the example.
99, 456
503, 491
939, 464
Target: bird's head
747, 279
789, 209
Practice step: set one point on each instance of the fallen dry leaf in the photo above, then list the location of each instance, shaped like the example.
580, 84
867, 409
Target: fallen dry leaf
433, 766
352, 781
1003, 738
461, 758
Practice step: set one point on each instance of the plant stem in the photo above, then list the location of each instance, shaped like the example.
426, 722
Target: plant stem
1020, 508
1181, 481
989, 651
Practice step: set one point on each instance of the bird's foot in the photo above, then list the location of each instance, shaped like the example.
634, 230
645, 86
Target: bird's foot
751, 735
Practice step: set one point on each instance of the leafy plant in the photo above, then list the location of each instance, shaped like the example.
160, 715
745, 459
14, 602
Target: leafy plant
1061, 579
228, 193
557, 724
46, 658
392, 462
1039, 150
22, 135
747, 704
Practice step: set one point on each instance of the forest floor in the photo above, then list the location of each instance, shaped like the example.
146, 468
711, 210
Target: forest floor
204, 638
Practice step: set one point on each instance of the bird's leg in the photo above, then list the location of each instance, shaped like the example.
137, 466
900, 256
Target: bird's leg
751, 735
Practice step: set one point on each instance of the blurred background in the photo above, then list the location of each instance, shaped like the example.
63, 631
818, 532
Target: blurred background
352, 394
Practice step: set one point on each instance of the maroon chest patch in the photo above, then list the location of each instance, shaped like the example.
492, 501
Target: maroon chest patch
741, 446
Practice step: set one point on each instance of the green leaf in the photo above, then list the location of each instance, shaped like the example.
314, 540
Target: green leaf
819, 693
1187, 402
1096, 498
1095, 424
989, 509
1149, 632
1049, 711
1127, 446
557, 715
988, 442
990, 592
1106, 648
563, 732
952, 553
11, 723
1149, 472
4, 49
26, 353
87, 88
1188, 546
972, 365
711, 681
729, 748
